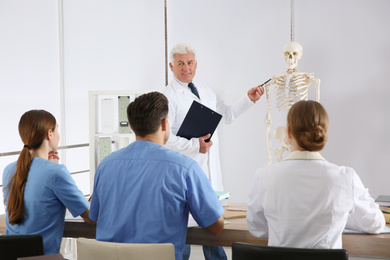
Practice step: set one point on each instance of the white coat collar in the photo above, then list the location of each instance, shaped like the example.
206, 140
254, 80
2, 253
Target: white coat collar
184, 84
182, 87
304, 155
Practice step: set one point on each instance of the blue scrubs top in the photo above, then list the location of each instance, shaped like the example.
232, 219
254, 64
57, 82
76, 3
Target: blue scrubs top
144, 192
49, 190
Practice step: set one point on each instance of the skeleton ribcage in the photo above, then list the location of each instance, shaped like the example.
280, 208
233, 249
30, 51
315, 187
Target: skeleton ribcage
285, 99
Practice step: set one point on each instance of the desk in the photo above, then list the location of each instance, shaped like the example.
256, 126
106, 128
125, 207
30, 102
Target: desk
237, 231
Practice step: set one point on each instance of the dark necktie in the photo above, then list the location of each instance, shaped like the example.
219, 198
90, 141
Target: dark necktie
193, 89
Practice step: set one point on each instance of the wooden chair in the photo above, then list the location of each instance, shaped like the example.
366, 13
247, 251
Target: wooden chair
91, 249
244, 251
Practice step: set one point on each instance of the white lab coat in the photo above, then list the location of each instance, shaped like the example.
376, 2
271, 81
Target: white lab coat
305, 201
180, 99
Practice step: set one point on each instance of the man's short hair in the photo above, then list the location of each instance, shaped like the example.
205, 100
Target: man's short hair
181, 48
146, 112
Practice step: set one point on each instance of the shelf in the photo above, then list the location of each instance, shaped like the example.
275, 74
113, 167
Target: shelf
107, 111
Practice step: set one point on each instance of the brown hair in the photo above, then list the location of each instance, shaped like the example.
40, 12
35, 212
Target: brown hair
308, 123
146, 112
33, 128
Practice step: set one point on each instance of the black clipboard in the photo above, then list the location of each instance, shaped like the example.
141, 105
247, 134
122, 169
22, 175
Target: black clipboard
199, 121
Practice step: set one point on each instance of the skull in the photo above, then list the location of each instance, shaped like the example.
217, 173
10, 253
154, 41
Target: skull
292, 52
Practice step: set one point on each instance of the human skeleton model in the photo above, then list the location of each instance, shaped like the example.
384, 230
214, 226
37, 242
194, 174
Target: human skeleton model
289, 88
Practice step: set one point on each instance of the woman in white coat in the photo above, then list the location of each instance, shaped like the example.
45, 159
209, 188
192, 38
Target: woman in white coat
305, 201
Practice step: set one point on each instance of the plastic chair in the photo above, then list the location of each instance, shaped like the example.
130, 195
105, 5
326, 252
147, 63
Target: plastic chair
14, 246
91, 249
244, 251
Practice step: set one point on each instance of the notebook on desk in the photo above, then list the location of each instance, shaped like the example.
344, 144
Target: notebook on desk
383, 200
386, 230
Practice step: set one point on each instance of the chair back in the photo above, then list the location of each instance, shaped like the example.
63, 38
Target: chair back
91, 249
43, 257
14, 246
244, 251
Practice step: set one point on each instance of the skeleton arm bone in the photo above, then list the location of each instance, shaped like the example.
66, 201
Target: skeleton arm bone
268, 121
317, 82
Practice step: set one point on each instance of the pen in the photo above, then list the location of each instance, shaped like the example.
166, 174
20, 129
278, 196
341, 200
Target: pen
265, 82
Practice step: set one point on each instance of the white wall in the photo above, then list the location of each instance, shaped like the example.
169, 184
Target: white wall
108, 45
346, 44
29, 59
350, 52
29, 67
119, 44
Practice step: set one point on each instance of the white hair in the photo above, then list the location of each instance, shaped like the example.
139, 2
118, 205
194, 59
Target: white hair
181, 48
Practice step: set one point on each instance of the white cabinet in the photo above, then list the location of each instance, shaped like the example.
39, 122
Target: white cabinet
109, 129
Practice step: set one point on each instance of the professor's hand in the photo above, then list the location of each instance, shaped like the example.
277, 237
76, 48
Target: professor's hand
205, 146
53, 155
255, 93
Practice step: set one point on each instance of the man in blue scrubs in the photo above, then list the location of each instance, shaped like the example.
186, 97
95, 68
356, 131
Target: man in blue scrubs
144, 192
